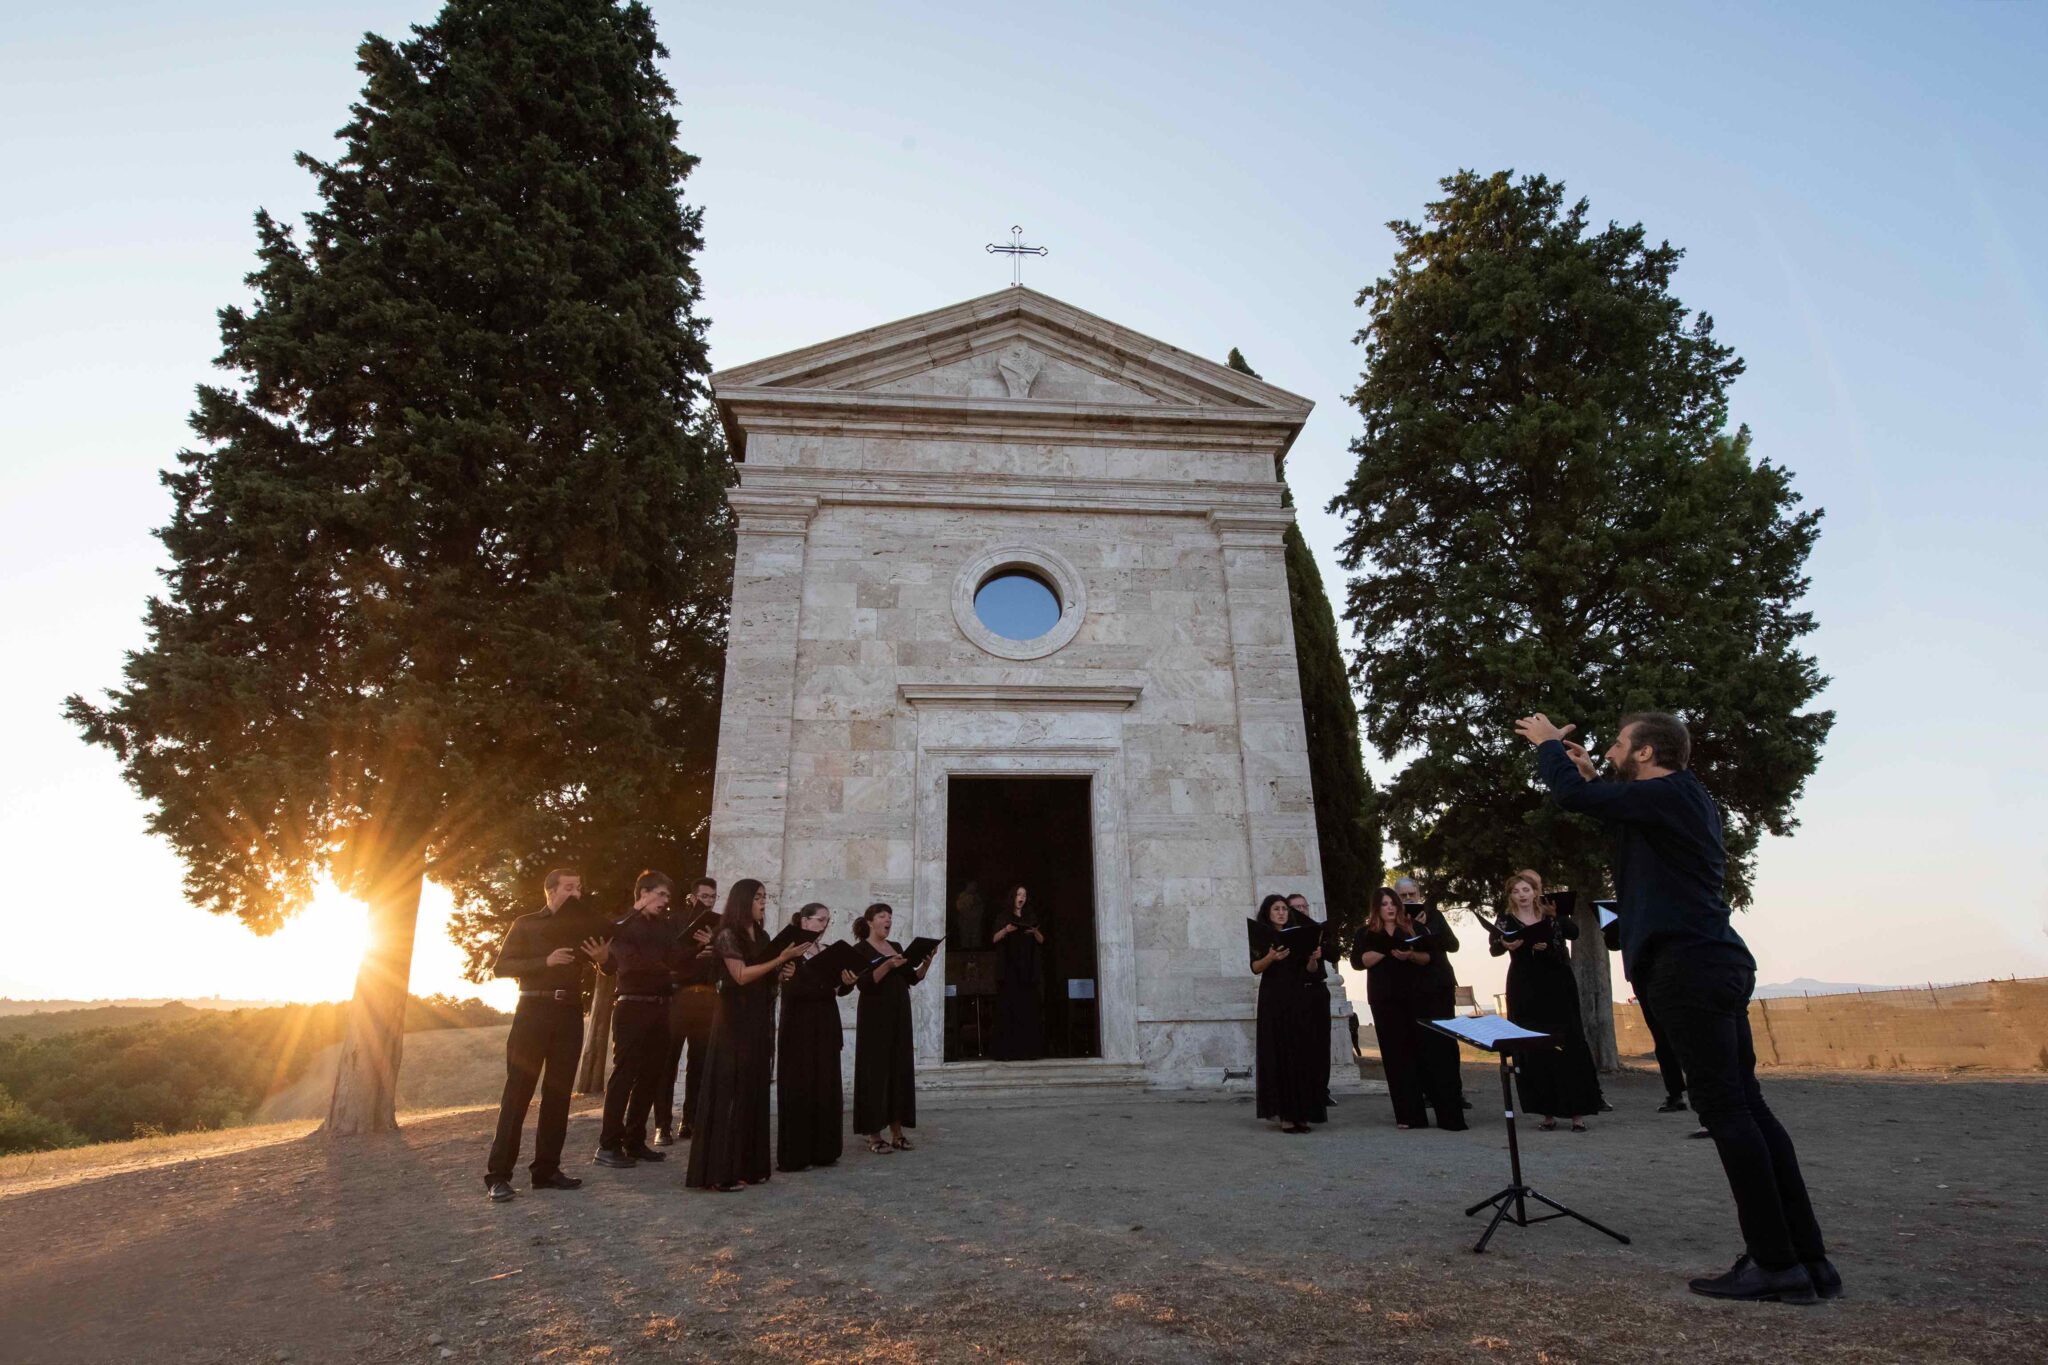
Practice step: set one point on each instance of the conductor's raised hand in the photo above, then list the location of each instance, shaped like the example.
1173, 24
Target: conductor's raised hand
1538, 729
1581, 760
597, 949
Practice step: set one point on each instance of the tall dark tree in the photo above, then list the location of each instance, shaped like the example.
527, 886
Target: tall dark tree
446, 582
1347, 821
1550, 513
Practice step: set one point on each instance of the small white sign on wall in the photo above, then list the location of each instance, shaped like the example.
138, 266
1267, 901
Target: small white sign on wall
1079, 989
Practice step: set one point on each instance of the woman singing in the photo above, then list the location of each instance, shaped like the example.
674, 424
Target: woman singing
1020, 1011
730, 1145
884, 1074
1289, 1086
1395, 956
808, 1099
1543, 995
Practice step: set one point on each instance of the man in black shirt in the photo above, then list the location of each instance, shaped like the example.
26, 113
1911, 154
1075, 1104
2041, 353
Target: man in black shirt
643, 955
542, 951
1688, 963
689, 1017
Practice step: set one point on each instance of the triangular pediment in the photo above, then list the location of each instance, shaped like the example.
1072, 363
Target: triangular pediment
1018, 346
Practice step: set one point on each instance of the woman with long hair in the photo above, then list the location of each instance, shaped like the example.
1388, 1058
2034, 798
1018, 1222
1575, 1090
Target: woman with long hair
729, 1147
1395, 955
1020, 1006
809, 1102
1285, 1074
1544, 995
884, 1071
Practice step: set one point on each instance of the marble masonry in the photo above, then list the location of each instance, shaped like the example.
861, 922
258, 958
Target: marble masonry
884, 479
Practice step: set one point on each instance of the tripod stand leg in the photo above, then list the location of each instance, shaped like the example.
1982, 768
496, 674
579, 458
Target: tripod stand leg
1489, 1201
1506, 1200
1572, 1213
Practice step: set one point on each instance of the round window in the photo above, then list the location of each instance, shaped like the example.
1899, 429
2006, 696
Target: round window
1016, 604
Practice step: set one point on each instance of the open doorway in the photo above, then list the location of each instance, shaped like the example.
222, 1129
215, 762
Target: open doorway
1001, 831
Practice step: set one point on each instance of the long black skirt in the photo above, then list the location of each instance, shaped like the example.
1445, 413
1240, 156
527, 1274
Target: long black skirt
884, 1067
730, 1141
1543, 995
1293, 1070
808, 1095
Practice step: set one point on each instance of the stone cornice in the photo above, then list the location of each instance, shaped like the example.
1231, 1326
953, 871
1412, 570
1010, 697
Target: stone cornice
763, 512
1023, 696
1257, 526
1077, 493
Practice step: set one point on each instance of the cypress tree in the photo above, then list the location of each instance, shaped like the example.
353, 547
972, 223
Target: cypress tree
1549, 513
1347, 825
446, 581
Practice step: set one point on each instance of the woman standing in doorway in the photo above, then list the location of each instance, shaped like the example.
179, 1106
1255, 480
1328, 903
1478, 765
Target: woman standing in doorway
1020, 1005
1544, 995
809, 1103
884, 1071
729, 1147
1289, 1087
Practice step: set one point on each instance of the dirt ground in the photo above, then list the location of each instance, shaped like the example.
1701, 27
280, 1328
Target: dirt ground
1128, 1229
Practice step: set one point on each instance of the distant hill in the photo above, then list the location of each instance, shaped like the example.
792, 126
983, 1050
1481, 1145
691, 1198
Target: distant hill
10, 1008
1806, 985
44, 1024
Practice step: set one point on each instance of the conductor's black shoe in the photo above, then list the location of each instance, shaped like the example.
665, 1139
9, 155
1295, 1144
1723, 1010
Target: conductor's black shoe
614, 1158
1827, 1281
662, 1137
555, 1180
1673, 1104
499, 1190
1749, 1281
640, 1151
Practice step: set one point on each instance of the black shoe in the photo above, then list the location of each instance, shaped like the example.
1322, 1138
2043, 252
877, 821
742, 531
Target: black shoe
499, 1190
685, 1133
555, 1180
1673, 1104
1827, 1281
1464, 1104
1700, 1132
1751, 1282
640, 1151
1606, 1108
663, 1138
614, 1158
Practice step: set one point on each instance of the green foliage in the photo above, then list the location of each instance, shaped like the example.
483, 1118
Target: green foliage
205, 1069
448, 566
1347, 823
1548, 513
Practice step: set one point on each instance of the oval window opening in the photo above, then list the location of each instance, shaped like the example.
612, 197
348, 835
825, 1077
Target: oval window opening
1017, 605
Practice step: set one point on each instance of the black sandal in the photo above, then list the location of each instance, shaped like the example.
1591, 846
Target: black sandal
902, 1144
1578, 1127
879, 1147
1548, 1125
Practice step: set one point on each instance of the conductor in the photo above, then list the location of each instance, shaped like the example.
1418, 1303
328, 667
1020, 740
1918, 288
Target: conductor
1688, 963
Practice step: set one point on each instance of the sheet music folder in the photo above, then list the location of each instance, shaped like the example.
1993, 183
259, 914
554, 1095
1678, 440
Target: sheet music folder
1493, 1033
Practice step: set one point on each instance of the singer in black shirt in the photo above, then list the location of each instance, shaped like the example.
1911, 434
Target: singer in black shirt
549, 952
644, 955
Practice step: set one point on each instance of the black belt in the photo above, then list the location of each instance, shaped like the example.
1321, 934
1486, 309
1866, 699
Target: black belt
551, 995
641, 999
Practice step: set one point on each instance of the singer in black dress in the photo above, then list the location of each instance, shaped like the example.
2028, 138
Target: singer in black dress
729, 1145
1290, 1087
1544, 995
884, 1069
809, 1102
1389, 952
1020, 984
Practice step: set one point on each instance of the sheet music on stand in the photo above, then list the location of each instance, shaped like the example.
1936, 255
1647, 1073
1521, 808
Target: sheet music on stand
1488, 1031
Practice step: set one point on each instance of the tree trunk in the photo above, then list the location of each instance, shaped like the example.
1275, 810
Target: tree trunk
1596, 982
596, 1039
365, 1096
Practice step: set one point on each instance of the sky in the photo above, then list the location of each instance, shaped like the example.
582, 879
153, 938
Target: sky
1859, 190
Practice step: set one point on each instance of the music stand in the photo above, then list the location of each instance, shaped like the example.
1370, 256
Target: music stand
1507, 1041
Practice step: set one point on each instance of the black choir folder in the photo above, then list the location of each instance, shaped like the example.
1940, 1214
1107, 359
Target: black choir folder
1299, 939
835, 958
919, 950
793, 934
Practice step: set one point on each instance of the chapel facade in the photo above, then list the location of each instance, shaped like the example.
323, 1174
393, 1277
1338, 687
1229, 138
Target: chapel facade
1010, 605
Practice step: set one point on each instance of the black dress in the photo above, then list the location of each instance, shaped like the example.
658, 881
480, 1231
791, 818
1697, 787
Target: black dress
884, 1069
1020, 1008
1544, 995
810, 1108
1291, 1087
1395, 992
730, 1143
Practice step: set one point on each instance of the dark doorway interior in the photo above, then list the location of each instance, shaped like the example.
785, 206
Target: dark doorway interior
1001, 831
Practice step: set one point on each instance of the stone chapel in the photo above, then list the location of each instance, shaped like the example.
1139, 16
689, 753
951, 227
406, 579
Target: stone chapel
1009, 605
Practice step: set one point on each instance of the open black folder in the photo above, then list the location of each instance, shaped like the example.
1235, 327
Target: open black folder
793, 934
1299, 939
835, 958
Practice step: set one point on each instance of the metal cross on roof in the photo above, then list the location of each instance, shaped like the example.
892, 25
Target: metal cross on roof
1017, 251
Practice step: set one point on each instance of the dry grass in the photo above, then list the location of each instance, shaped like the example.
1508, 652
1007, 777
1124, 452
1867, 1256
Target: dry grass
40, 1170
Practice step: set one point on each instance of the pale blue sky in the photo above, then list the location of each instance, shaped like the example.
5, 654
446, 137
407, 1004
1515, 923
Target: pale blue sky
1859, 188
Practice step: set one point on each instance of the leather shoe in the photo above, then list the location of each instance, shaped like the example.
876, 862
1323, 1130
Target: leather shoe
1749, 1281
1673, 1104
555, 1180
684, 1133
499, 1190
662, 1137
614, 1158
1827, 1281
642, 1152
